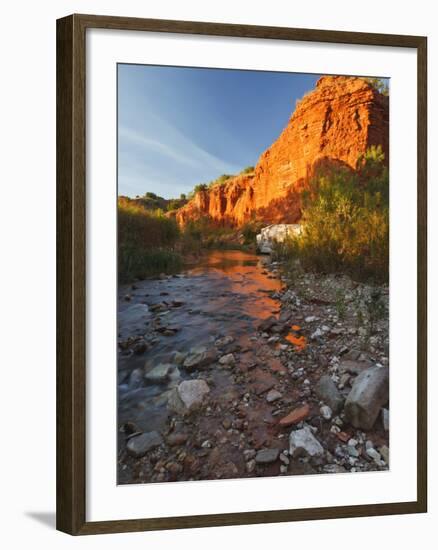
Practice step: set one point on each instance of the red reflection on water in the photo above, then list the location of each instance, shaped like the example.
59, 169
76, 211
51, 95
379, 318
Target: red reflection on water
244, 275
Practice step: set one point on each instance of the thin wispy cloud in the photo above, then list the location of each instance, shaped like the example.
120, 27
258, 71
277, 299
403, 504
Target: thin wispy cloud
180, 127
170, 142
154, 145
186, 163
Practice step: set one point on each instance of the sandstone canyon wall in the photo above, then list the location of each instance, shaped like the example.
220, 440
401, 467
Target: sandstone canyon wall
334, 123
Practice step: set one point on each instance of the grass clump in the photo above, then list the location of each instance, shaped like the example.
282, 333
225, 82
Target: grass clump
146, 241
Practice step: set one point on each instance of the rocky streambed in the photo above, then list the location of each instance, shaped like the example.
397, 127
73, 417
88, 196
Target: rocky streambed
235, 368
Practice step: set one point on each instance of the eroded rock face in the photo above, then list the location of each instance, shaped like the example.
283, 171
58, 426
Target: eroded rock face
333, 124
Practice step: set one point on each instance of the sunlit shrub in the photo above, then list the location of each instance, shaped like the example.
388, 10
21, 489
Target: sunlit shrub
346, 221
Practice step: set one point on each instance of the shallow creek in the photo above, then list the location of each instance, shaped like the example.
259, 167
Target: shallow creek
226, 294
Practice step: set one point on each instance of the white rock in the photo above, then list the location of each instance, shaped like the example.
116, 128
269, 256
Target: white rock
304, 443
326, 412
310, 319
276, 233
375, 455
318, 332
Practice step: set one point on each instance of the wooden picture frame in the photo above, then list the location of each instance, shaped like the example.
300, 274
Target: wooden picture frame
71, 273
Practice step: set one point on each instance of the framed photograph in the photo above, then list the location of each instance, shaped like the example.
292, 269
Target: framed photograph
241, 274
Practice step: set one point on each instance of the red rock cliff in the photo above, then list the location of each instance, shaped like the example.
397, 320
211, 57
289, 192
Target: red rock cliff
336, 122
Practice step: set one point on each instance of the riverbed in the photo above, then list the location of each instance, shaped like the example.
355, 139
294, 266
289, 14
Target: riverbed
230, 307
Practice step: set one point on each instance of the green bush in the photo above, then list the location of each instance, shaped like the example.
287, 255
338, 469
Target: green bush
378, 84
248, 170
200, 187
345, 223
250, 230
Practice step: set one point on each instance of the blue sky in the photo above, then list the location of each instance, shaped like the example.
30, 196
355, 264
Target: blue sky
181, 126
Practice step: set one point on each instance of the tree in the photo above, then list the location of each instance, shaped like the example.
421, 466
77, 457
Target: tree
200, 187
378, 84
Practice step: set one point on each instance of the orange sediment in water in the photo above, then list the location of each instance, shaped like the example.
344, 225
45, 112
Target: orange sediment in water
296, 327
298, 341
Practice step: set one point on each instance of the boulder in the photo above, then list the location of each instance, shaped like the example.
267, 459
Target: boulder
227, 360
369, 393
139, 445
188, 396
159, 374
327, 391
304, 443
178, 357
199, 358
276, 233
353, 367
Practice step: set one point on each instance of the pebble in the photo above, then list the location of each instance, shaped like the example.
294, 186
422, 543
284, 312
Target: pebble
326, 412
273, 395
296, 416
384, 451
385, 419
284, 459
372, 453
226, 423
174, 440
249, 454
266, 456
352, 451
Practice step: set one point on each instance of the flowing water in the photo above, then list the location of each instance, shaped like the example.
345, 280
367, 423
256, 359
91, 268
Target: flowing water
226, 294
